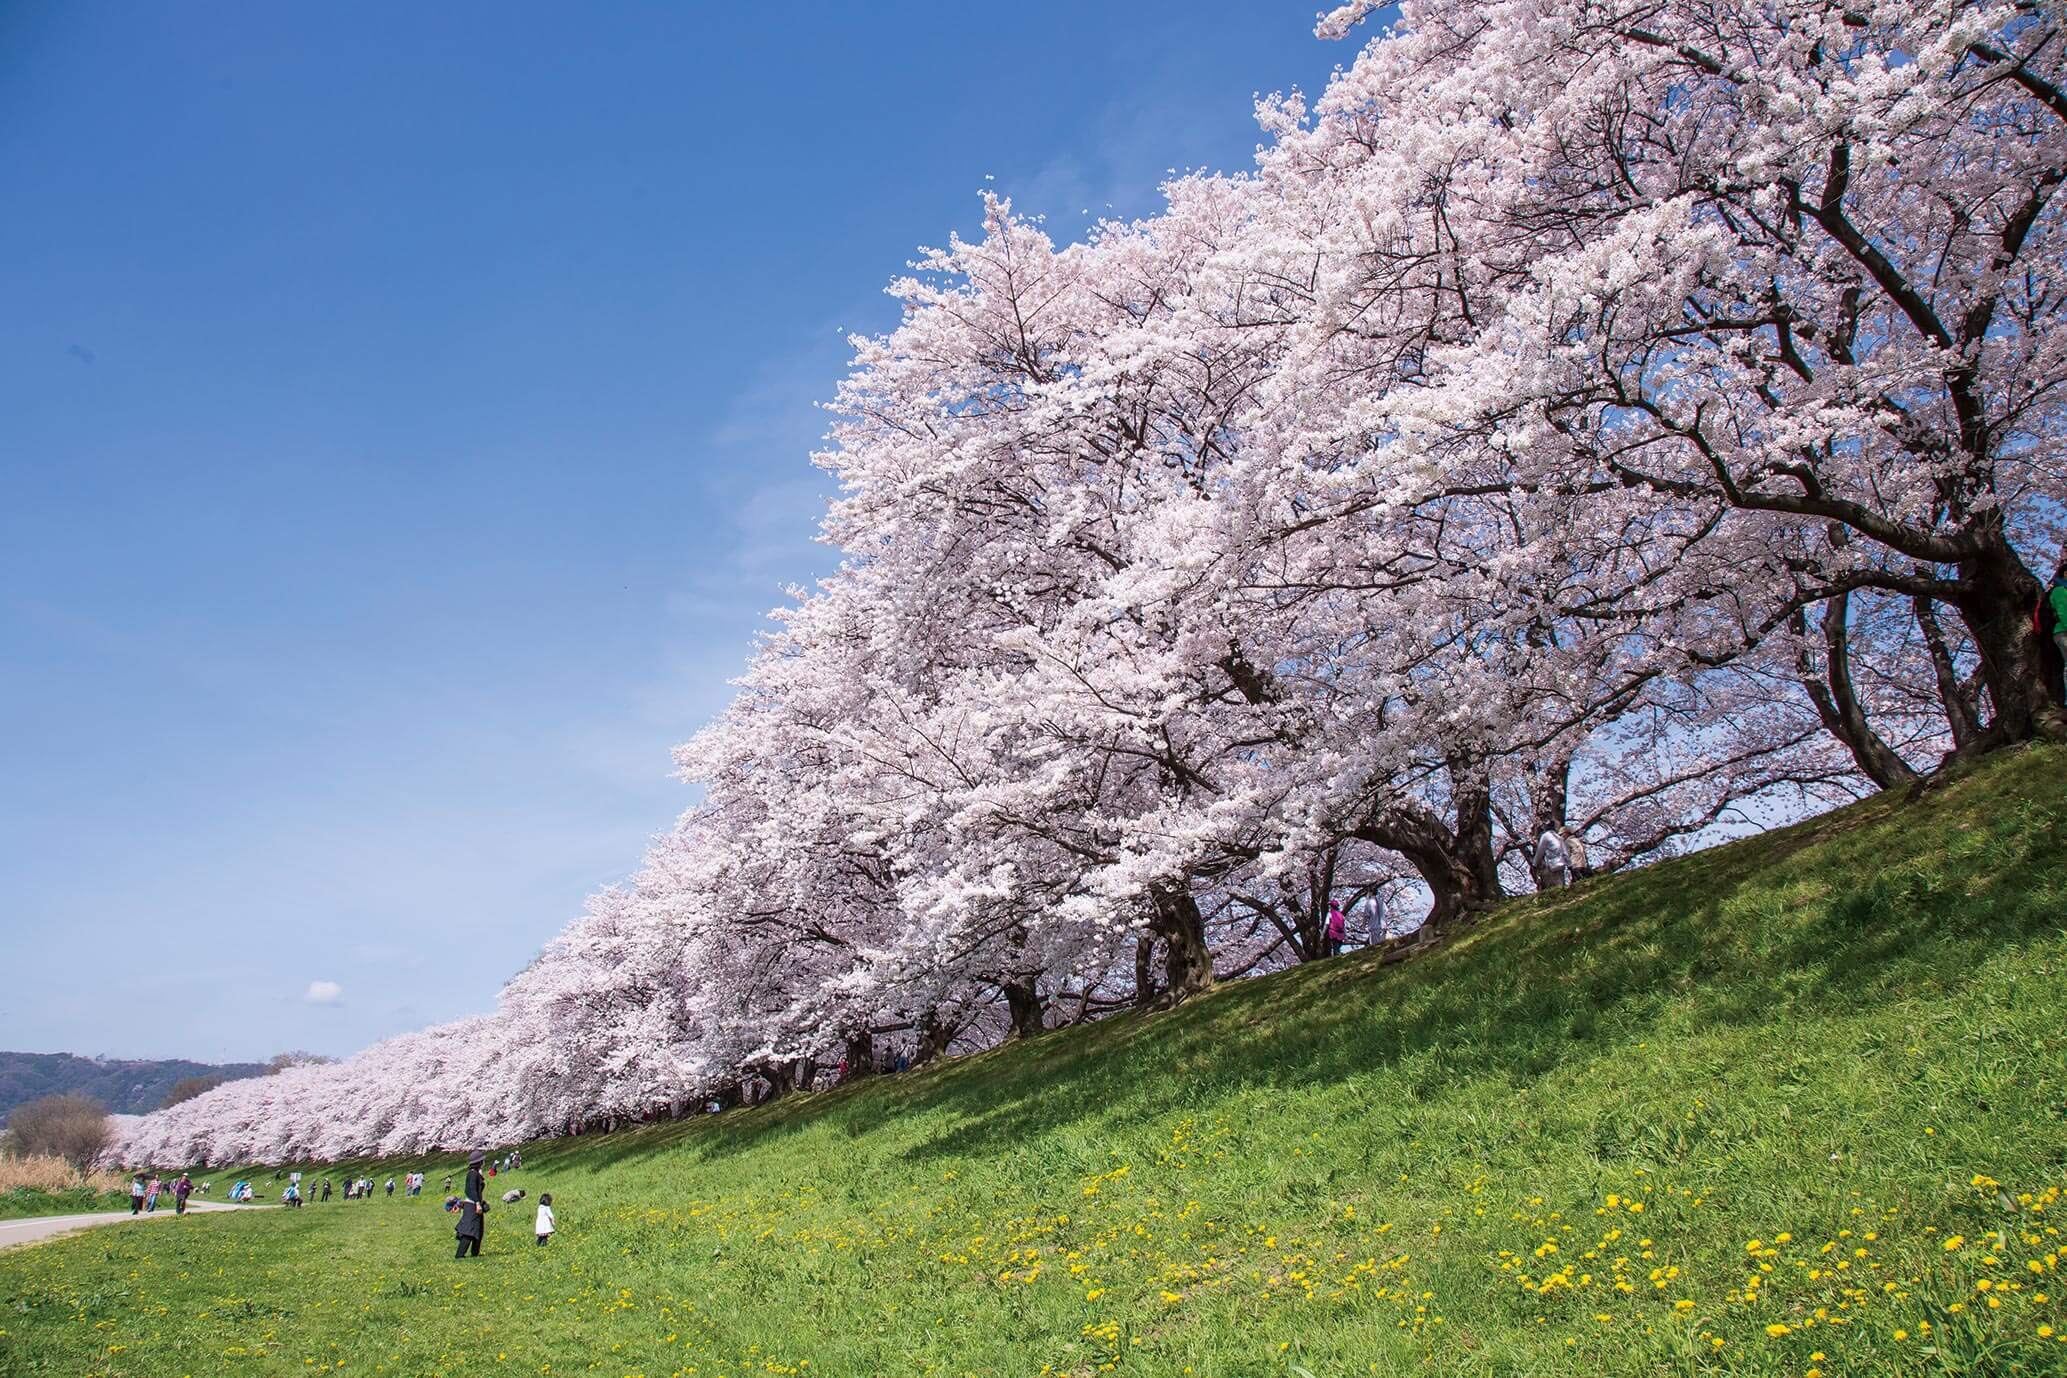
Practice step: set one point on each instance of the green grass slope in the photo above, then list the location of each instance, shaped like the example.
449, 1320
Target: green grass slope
19, 1203
1793, 1106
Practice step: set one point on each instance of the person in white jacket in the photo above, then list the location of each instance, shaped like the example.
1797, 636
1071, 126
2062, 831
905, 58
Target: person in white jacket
544, 1226
1553, 861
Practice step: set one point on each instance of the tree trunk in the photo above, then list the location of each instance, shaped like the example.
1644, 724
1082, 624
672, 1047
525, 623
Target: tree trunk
1996, 607
1175, 918
1144, 969
861, 1054
1459, 867
1960, 714
781, 1077
1473, 787
1837, 702
1023, 999
1310, 910
934, 1036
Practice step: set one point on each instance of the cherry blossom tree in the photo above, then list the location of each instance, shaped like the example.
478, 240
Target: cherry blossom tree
1631, 419
1784, 277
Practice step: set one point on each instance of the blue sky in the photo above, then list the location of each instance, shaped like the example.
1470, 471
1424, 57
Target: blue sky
404, 424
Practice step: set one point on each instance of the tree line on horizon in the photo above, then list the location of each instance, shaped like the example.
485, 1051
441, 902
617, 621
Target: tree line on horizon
123, 1085
76, 1125
1630, 420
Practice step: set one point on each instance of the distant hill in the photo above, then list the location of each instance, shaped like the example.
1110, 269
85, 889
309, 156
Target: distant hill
126, 1086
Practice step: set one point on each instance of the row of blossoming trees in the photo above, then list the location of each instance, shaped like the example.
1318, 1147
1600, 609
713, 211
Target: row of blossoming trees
1607, 416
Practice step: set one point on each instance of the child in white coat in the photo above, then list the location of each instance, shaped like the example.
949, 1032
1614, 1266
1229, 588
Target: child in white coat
544, 1226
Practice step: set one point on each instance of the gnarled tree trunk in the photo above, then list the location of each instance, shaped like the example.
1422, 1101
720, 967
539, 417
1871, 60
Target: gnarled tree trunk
1961, 715
860, 1054
1175, 919
1458, 865
934, 1036
1837, 702
1996, 607
1023, 999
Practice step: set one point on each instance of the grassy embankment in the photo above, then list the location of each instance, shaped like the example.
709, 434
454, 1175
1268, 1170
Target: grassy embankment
18, 1203
1793, 1106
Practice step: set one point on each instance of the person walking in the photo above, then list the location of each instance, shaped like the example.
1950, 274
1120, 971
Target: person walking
1374, 919
151, 1194
473, 1210
391, 1188
326, 1188
1553, 861
136, 1194
181, 1190
1338, 931
544, 1224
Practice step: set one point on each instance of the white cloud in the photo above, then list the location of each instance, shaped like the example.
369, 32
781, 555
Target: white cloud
324, 993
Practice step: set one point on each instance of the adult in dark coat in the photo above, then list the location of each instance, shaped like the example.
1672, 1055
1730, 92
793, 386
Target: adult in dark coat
472, 1210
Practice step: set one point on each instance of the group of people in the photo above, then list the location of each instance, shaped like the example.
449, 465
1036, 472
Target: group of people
145, 1189
1335, 933
471, 1206
355, 1189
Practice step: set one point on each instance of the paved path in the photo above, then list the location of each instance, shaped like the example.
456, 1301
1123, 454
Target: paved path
38, 1227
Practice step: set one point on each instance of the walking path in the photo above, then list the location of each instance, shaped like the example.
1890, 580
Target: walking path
14, 1233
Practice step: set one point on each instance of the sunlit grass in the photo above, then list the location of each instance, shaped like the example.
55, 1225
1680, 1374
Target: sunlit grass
1797, 1106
